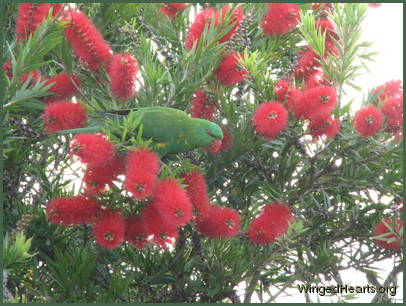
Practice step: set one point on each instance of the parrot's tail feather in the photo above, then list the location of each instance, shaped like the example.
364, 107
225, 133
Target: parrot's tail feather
90, 129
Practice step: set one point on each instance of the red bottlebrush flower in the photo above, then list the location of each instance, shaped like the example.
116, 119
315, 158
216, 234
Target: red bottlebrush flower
293, 96
329, 127
280, 19
135, 233
35, 76
316, 103
308, 62
374, 5
7, 67
122, 71
109, 229
196, 189
63, 116
326, 26
69, 211
227, 140
367, 121
282, 88
220, 222
315, 79
205, 18
322, 6
164, 233
386, 229
172, 202
92, 149
270, 224
394, 125
172, 9
86, 40
201, 108
214, 147
30, 16
393, 108
141, 173
270, 119
63, 87
228, 72
391, 89
57, 8
97, 179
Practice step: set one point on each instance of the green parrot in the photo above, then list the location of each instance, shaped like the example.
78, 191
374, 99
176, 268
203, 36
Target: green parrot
171, 130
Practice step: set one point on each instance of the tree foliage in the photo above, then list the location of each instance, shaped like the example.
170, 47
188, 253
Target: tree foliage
338, 189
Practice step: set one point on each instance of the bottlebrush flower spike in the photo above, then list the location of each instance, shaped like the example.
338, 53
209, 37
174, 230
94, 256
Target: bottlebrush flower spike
64, 87
270, 119
206, 17
86, 41
135, 233
109, 229
307, 62
164, 233
391, 89
172, 202
329, 127
92, 149
227, 140
172, 9
228, 72
196, 189
393, 107
141, 173
69, 211
219, 223
316, 103
201, 107
30, 16
97, 179
388, 230
293, 95
122, 70
315, 79
368, 121
322, 6
280, 19
281, 89
63, 116
270, 224
326, 26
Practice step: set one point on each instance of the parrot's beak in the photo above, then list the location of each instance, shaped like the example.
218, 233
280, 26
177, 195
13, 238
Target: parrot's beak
216, 145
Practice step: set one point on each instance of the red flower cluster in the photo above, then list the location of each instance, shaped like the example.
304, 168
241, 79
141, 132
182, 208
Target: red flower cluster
109, 229
280, 19
201, 108
172, 9
196, 189
228, 72
391, 89
307, 62
329, 127
316, 103
388, 229
63, 88
270, 119
368, 121
172, 202
206, 17
70, 211
220, 222
322, 6
31, 15
270, 224
93, 149
97, 179
281, 89
141, 173
122, 71
135, 232
63, 116
315, 79
326, 26
86, 40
